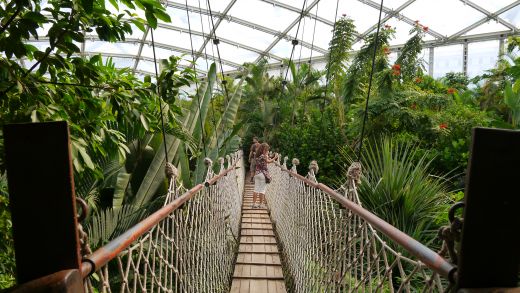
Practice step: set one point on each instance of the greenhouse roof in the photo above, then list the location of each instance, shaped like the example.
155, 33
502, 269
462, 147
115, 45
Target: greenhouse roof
250, 29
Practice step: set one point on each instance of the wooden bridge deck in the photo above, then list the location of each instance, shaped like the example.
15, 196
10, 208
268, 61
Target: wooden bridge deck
258, 267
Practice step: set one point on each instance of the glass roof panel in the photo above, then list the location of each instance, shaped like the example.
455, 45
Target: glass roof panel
444, 16
402, 31
481, 57
179, 19
144, 65
118, 48
512, 15
235, 54
244, 35
216, 5
263, 14
363, 15
447, 59
322, 35
492, 6
393, 4
488, 27
121, 62
160, 53
175, 38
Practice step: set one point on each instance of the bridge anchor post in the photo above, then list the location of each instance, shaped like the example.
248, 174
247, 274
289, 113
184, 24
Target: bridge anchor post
43, 207
489, 254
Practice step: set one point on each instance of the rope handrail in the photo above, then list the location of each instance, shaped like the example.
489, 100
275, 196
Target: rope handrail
332, 244
427, 256
161, 251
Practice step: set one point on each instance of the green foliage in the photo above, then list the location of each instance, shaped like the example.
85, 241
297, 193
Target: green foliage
7, 263
313, 139
411, 64
397, 186
456, 80
512, 101
359, 71
339, 46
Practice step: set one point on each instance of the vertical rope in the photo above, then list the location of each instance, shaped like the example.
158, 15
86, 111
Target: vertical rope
196, 82
159, 96
295, 42
314, 33
327, 76
218, 52
365, 116
207, 69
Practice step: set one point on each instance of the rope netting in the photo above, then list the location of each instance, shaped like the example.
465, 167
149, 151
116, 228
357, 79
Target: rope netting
192, 247
329, 247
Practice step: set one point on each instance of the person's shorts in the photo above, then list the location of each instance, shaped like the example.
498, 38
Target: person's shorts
260, 184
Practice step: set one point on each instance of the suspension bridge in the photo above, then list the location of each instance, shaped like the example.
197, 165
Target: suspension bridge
308, 238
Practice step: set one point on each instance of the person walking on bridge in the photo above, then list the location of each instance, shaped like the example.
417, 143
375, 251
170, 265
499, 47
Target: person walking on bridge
252, 156
262, 176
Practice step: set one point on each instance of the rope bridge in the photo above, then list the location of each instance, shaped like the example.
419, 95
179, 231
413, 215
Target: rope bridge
330, 243
188, 245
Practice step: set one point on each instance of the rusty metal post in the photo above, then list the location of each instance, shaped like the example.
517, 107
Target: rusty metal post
41, 194
490, 254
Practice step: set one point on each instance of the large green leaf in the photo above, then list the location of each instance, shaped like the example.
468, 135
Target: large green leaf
155, 175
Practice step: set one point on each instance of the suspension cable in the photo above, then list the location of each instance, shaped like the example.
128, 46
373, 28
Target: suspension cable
207, 70
327, 77
301, 44
328, 69
294, 43
314, 33
365, 116
159, 97
216, 41
196, 82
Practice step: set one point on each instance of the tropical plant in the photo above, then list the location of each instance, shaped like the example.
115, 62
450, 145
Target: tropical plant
397, 185
512, 101
7, 263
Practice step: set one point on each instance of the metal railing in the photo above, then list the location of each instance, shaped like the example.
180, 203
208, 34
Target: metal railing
188, 245
332, 244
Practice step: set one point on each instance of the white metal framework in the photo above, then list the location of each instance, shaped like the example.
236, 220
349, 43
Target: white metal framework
463, 35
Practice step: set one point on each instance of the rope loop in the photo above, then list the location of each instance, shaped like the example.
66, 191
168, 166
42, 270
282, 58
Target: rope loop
295, 163
171, 171
354, 172
313, 170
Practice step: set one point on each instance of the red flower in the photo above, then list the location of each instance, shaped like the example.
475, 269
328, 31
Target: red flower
443, 126
386, 50
396, 67
387, 26
413, 106
418, 80
417, 22
425, 28
344, 14
451, 90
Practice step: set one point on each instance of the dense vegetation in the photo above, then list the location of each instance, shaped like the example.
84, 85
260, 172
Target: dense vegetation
115, 117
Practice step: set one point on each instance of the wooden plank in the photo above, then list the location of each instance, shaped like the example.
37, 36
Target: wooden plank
235, 286
276, 286
258, 248
258, 286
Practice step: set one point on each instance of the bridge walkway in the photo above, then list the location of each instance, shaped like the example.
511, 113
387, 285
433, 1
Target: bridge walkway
258, 267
